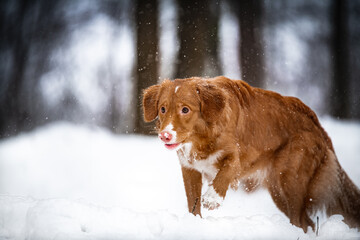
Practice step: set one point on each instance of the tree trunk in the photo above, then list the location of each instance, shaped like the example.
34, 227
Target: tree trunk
251, 41
13, 116
339, 98
212, 63
198, 35
147, 56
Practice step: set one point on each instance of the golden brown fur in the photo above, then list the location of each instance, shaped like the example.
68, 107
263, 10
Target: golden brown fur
255, 132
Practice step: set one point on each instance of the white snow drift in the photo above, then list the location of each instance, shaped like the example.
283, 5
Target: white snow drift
67, 181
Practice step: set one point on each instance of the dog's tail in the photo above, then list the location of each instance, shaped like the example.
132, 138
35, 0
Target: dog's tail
347, 201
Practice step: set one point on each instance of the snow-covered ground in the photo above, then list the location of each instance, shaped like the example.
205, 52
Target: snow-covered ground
66, 181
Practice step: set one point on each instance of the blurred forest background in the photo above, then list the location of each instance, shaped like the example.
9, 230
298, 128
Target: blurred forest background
88, 61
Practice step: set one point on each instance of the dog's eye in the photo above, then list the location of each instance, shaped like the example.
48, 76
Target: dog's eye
162, 109
185, 110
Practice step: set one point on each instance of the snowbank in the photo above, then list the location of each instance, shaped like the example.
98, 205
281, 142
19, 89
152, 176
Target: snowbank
66, 181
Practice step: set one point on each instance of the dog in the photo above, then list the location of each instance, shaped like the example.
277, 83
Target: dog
232, 134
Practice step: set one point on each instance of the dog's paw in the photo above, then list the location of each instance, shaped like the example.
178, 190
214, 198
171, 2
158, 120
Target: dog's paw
211, 200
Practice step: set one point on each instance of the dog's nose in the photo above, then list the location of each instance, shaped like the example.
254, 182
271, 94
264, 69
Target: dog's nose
165, 136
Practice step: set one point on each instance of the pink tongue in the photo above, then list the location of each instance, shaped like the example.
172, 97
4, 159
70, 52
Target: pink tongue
171, 146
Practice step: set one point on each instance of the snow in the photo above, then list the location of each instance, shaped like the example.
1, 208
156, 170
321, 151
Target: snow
211, 199
66, 181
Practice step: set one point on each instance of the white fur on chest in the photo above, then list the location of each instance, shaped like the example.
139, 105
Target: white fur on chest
205, 166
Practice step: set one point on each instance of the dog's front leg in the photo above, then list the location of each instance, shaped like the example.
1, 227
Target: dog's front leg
193, 184
216, 192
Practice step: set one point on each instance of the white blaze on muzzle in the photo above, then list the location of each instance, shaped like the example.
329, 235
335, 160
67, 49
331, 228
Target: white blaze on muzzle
169, 129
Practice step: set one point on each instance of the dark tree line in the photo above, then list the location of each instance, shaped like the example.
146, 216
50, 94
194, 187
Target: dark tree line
31, 30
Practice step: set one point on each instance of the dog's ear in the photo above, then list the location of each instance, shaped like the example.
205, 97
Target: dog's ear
150, 102
212, 101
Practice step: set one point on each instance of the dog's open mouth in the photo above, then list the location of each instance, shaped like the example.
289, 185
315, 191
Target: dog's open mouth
172, 146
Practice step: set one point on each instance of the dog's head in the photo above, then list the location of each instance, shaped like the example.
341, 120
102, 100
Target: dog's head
183, 108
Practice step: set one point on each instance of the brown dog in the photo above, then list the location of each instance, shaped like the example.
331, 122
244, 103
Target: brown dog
228, 132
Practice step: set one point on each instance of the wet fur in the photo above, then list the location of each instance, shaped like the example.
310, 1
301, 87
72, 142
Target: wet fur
259, 133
